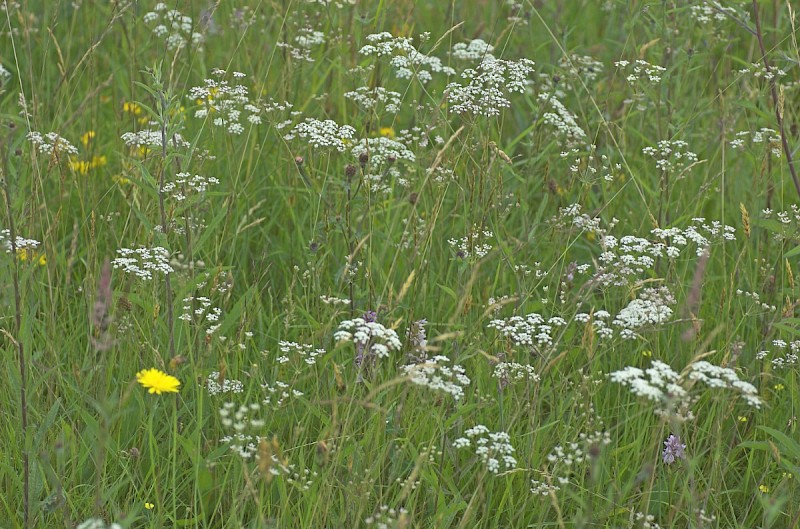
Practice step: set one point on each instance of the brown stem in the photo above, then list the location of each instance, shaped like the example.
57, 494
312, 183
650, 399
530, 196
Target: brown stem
775, 100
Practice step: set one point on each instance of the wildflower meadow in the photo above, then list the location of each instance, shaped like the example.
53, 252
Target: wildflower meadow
399, 264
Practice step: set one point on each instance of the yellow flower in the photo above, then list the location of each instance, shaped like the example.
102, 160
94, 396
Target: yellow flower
387, 132
763, 488
647, 354
157, 381
778, 387
86, 138
121, 180
149, 506
23, 254
79, 166
742, 418
131, 108
84, 166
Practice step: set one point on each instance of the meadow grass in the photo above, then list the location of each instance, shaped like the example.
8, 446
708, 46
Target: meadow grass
413, 264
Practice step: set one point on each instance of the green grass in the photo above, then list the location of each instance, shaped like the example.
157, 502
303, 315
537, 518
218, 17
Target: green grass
289, 222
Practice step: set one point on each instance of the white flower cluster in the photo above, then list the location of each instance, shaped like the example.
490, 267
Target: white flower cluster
307, 352
770, 137
531, 330
51, 143
308, 37
387, 518
380, 340
172, 25
717, 377
789, 358
629, 257
216, 387
185, 182
488, 86
277, 393
438, 376
97, 523
202, 309
789, 222
5, 75
246, 445
334, 3
514, 372
651, 307
474, 245
406, 60
142, 262
371, 98
713, 11
300, 48
323, 134
571, 216
657, 383
671, 155
490, 447
660, 383
20, 243
476, 50
598, 320
332, 300
756, 298
383, 150
540, 488
563, 121
759, 71
152, 138
225, 104
583, 67
241, 419
647, 521
641, 70
575, 453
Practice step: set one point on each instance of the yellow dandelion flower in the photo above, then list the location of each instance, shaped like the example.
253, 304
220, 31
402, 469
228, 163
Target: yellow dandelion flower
149, 506
42, 260
86, 138
387, 132
22, 254
157, 381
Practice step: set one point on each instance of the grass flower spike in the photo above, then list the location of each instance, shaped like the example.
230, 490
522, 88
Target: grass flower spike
157, 381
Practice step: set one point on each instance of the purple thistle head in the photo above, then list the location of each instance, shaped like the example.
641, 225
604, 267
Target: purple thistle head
673, 449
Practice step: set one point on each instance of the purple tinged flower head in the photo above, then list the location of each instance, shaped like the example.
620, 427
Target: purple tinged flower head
673, 449
370, 316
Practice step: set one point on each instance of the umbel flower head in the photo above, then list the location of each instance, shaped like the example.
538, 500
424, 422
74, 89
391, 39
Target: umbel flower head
157, 381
